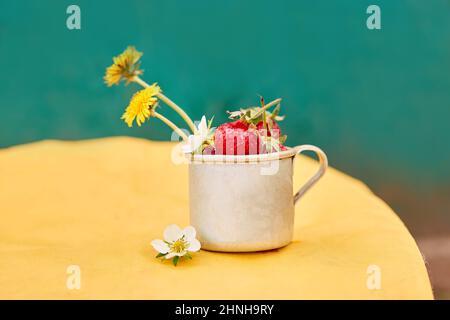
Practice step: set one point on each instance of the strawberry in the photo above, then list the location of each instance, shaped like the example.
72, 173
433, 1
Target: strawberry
235, 138
255, 131
209, 150
239, 138
274, 127
274, 132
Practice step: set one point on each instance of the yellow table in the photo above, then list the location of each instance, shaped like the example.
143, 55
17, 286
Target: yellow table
97, 204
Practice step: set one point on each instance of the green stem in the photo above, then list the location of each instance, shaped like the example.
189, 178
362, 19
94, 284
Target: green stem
264, 116
267, 106
170, 124
271, 104
171, 104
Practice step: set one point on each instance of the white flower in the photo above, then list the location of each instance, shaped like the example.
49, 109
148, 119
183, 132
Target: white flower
196, 140
177, 243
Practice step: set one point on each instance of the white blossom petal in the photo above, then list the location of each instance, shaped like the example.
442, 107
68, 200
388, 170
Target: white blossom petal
170, 255
172, 233
194, 245
160, 246
203, 128
193, 143
189, 233
186, 148
180, 254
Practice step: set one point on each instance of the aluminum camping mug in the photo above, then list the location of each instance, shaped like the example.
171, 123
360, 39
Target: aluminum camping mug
244, 203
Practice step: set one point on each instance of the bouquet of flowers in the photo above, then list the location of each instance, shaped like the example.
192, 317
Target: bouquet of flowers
252, 130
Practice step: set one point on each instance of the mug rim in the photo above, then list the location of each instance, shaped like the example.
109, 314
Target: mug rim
215, 158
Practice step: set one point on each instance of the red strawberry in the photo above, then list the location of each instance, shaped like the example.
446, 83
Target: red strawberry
275, 127
233, 138
274, 132
209, 150
250, 131
239, 138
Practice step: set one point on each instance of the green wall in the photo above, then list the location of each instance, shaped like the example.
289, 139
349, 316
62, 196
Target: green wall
377, 101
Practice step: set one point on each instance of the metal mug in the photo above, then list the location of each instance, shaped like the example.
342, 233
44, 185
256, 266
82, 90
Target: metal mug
244, 203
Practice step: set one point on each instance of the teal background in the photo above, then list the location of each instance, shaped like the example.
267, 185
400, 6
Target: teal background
378, 101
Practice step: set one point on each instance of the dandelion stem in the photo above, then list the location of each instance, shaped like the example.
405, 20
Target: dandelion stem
170, 124
171, 104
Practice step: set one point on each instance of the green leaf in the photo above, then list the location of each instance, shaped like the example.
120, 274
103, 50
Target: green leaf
188, 256
210, 122
159, 255
275, 111
274, 115
253, 115
234, 114
175, 260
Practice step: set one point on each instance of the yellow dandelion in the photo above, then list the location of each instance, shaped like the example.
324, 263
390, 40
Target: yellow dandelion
125, 67
142, 105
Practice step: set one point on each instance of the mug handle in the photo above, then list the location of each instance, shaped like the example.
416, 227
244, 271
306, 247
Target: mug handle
323, 161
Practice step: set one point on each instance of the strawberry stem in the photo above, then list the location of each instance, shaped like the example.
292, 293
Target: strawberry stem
267, 106
264, 115
271, 104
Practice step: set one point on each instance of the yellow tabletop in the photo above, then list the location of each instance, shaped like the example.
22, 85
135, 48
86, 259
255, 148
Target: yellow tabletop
97, 205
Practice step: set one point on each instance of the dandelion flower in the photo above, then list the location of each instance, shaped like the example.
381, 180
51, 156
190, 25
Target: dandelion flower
125, 67
141, 105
